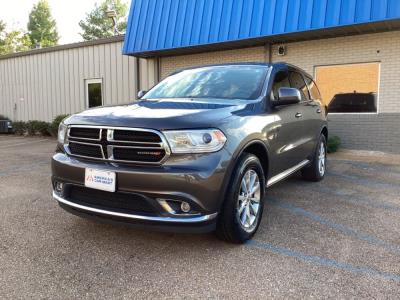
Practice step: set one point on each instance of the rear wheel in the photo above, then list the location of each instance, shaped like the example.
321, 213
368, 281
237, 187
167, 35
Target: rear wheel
317, 168
243, 206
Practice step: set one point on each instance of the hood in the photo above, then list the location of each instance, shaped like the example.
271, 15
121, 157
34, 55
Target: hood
161, 114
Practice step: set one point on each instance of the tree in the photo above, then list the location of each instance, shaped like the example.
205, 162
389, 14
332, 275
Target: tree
97, 25
42, 28
13, 41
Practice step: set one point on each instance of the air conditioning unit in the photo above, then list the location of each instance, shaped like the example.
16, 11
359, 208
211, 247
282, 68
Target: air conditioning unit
5, 126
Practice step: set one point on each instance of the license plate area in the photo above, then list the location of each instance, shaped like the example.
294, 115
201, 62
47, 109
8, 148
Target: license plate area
100, 180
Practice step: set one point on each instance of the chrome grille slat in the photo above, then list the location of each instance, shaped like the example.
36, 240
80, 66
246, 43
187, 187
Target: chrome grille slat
151, 152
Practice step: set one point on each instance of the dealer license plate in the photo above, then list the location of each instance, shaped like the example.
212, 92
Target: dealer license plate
100, 180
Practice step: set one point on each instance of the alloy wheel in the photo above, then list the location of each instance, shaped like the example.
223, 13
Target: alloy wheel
248, 204
321, 159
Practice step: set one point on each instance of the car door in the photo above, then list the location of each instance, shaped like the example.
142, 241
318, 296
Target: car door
312, 115
285, 136
305, 132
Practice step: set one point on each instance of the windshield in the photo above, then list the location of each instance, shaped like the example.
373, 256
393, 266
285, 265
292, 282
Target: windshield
224, 82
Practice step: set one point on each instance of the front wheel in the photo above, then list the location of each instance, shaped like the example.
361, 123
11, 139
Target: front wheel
243, 206
317, 168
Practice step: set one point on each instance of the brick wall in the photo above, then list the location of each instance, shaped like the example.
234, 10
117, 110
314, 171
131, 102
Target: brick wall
379, 47
172, 63
377, 132
380, 132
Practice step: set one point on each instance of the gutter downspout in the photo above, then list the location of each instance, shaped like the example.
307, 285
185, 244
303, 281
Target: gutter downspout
137, 67
268, 53
158, 69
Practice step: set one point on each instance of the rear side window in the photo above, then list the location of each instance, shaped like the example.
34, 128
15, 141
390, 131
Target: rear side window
313, 89
281, 80
297, 81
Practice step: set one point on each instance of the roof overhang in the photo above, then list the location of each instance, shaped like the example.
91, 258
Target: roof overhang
340, 31
109, 40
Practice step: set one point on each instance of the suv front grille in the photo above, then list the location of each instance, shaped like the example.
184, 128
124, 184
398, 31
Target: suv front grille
148, 155
85, 133
127, 145
118, 202
87, 150
136, 136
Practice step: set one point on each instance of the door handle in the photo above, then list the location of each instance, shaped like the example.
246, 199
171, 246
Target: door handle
318, 111
298, 115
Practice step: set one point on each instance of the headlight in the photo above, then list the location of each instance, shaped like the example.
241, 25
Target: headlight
62, 131
195, 141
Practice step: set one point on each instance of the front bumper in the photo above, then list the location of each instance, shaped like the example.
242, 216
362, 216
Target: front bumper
196, 179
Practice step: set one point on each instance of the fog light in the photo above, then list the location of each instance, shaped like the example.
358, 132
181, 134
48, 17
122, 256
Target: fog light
185, 207
59, 186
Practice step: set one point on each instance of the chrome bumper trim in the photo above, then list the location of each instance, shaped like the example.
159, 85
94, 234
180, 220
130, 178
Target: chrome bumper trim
186, 220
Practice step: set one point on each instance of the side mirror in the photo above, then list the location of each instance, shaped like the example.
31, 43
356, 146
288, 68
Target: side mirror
141, 93
287, 96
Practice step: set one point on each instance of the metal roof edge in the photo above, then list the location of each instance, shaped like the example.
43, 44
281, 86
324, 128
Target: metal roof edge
321, 33
113, 39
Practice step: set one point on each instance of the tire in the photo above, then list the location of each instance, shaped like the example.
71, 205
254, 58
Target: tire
238, 221
315, 171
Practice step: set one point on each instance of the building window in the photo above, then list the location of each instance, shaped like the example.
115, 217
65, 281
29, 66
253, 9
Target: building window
350, 88
94, 92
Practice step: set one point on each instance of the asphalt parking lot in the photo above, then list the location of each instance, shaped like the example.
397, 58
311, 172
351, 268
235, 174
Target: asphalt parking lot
339, 238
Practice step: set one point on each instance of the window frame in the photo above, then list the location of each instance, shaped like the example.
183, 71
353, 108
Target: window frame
377, 92
307, 99
273, 76
93, 81
309, 90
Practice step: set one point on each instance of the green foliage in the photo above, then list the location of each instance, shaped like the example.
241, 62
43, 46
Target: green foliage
333, 144
42, 27
35, 127
97, 25
19, 127
53, 126
13, 41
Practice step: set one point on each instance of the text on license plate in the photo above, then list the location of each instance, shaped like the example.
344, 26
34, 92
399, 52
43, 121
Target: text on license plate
100, 180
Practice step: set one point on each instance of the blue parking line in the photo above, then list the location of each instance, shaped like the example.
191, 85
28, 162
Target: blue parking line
371, 166
323, 261
366, 182
24, 168
338, 227
355, 199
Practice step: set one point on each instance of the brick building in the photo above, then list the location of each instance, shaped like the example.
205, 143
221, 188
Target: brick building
352, 48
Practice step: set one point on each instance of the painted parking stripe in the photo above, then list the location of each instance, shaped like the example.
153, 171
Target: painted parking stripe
372, 183
352, 198
338, 227
24, 168
369, 166
25, 143
326, 262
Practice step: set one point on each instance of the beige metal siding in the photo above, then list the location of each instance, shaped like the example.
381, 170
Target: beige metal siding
47, 84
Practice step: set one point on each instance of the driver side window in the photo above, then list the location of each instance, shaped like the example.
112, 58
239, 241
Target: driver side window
281, 80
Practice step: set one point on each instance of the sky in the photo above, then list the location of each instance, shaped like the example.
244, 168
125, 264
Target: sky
67, 14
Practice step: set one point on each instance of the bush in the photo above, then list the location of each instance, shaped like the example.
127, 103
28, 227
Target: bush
35, 127
333, 144
19, 127
53, 126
